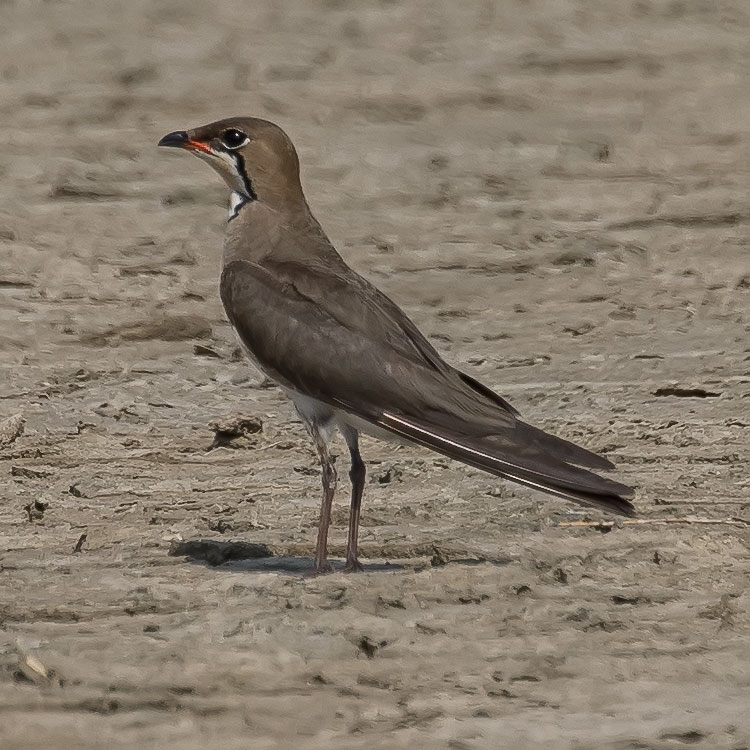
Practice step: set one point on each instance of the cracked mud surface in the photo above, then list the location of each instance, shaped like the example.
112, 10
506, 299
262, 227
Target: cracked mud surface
557, 193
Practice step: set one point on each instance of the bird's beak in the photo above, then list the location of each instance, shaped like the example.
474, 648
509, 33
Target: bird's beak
180, 139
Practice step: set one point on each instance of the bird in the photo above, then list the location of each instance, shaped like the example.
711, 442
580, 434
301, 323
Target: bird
348, 357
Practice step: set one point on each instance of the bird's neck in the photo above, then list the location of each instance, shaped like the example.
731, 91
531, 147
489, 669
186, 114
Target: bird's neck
257, 230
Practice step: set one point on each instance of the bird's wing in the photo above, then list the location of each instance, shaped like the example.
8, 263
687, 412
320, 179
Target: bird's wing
386, 373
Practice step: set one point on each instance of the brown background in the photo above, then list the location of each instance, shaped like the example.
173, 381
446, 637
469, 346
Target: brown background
557, 193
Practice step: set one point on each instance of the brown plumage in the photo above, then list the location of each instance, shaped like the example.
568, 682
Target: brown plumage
346, 354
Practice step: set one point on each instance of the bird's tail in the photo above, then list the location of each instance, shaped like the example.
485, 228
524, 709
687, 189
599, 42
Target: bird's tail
526, 455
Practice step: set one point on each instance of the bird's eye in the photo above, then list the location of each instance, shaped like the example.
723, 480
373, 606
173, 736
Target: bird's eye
233, 138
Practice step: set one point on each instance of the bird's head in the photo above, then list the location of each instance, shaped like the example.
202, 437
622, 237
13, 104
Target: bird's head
254, 157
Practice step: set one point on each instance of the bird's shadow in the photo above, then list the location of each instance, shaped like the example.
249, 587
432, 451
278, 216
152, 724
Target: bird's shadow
256, 557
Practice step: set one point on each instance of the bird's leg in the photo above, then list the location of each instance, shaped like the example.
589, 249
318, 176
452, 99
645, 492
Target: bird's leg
328, 472
357, 474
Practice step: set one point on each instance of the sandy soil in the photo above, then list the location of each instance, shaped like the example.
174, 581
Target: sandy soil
557, 192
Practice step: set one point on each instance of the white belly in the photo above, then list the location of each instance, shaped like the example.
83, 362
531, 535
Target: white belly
312, 410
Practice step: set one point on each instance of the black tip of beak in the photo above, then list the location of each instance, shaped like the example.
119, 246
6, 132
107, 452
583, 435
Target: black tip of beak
178, 139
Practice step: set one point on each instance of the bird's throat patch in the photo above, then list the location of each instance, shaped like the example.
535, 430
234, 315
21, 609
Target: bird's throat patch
242, 172
236, 202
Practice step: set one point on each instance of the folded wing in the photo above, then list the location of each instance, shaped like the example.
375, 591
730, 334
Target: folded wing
388, 374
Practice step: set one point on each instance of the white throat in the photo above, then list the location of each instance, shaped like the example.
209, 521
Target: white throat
236, 201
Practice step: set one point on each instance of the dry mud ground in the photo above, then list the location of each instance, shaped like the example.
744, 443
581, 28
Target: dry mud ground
557, 192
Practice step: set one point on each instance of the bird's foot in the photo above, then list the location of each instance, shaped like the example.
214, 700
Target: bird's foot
353, 566
322, 568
